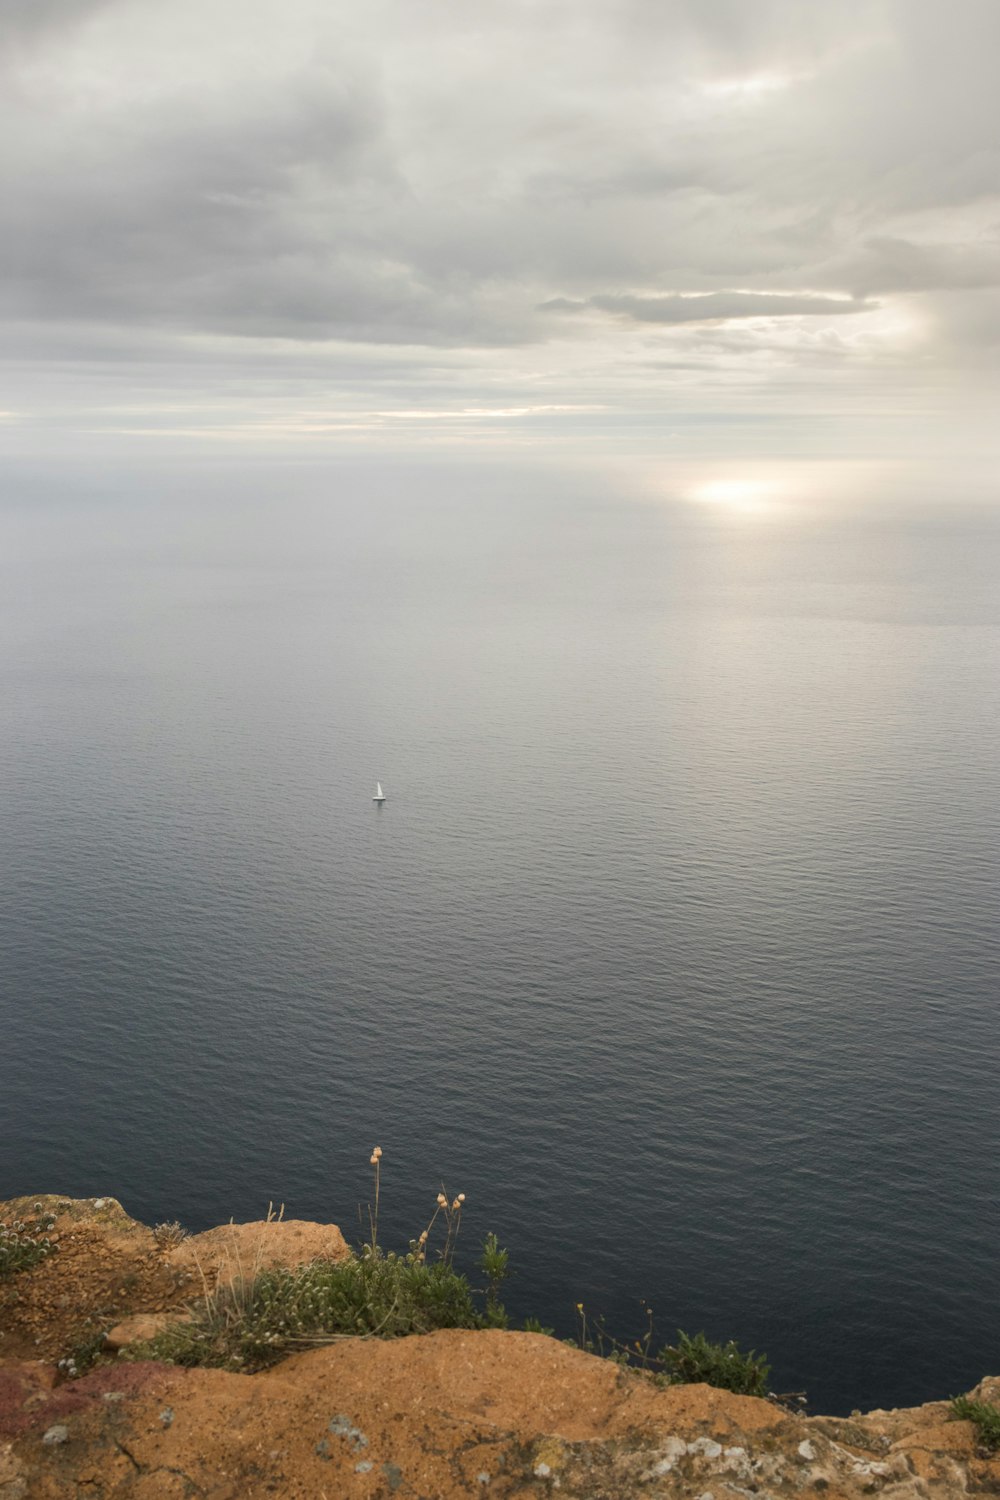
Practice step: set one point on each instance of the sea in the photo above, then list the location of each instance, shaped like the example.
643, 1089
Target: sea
674, 947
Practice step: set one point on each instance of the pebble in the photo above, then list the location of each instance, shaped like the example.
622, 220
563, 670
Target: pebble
56, 1435
672, 1449
342, 1426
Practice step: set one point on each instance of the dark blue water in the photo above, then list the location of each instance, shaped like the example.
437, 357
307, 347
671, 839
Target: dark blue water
674, 947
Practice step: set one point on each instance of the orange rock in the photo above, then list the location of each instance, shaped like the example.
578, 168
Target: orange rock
458, 1413
137, 1329
236, 1252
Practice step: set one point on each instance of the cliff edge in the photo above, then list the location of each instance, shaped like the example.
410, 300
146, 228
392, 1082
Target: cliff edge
432, 1417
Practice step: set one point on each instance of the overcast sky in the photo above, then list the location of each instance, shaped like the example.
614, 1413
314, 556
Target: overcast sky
742, 227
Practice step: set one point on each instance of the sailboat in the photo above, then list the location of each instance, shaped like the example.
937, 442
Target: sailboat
379, 796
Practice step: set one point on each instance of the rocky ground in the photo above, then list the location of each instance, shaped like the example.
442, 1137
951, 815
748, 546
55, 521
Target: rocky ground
446, 1415
108, 1268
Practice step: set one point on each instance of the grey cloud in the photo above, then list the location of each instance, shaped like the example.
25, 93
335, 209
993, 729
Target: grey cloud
970, 327
210, 209
274, 207
712, 307
22, 19
887, 264
730, 34
434, 177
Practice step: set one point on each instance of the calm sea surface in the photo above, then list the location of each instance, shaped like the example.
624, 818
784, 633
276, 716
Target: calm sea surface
675, 946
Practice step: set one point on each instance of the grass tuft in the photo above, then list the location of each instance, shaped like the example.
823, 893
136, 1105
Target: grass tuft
24, 1243
984, 1418
169, 1236
84, 1355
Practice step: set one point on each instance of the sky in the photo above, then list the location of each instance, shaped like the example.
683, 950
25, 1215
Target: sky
747, 233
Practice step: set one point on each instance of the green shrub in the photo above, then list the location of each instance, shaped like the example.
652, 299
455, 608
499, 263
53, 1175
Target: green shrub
279, 1311
270, 1313
984, 1417
23, 1243
687, 1362
723, 1365
495, 1266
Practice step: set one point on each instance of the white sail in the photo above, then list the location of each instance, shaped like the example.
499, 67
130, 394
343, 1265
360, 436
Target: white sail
379, 794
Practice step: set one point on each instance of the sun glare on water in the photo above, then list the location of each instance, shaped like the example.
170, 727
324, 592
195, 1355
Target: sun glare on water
741, 496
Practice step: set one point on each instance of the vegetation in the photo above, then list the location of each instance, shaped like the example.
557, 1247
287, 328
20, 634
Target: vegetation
687, 1362
383, 1296
23, 1243
374, 1294
984, 1417
722, 1365
85, 1354
495, 1266
169, 1236
253, 1318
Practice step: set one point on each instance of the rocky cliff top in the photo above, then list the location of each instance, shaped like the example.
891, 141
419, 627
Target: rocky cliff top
448, 1414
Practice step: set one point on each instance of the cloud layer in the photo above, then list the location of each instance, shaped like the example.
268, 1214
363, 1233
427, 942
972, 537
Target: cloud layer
565, 193
713, 307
